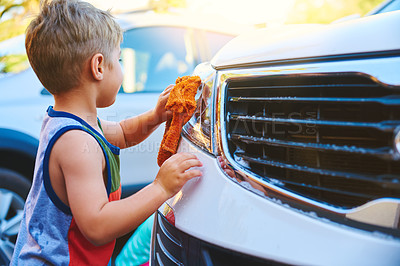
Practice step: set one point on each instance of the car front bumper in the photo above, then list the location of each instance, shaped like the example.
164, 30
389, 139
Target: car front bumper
217, 211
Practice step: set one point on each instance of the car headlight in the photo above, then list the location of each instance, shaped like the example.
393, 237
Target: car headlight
198, 129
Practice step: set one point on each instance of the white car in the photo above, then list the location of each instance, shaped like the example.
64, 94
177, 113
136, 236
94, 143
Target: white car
157, 49
298, 130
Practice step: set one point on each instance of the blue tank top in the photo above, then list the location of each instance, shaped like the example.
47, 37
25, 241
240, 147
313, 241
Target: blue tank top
48, 233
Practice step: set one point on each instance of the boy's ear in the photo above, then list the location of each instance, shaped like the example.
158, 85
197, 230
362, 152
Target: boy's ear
97, 66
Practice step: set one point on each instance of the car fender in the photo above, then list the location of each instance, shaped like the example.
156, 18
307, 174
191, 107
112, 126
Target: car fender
18, 151
15, 140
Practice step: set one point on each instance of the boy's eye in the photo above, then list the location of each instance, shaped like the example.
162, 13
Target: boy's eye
120, 59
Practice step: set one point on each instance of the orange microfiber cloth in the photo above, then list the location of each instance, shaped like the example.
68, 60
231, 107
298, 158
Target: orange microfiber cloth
182, 104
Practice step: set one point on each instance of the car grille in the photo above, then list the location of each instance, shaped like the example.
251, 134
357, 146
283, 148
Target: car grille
328, 137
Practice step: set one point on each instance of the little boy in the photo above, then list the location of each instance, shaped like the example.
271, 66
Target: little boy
73, 213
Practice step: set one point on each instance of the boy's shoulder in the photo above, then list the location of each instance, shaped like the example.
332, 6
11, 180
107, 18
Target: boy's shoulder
68, 140
76, 147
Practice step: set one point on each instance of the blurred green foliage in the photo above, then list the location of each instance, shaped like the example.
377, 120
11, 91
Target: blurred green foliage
15, 16
13, 63
326, 11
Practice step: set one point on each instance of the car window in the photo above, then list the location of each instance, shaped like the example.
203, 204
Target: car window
153, 57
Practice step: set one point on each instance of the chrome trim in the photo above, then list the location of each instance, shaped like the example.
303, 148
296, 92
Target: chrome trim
368, 214
389, 153
382, 126
159, 260
166, 253
168, 235
313, 59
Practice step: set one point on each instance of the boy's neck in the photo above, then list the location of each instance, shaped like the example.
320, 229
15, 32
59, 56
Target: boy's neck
78, 103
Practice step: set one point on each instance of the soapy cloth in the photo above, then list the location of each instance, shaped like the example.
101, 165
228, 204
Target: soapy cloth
182, 103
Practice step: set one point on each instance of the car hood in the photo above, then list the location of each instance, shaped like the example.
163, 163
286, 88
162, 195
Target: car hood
368, 34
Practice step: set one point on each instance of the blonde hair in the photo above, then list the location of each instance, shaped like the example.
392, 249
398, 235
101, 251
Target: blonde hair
66, 34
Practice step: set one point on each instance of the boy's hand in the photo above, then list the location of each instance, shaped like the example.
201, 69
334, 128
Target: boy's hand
174, 172
160, 113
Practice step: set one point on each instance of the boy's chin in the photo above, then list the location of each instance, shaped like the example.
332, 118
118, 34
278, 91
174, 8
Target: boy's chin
104, 105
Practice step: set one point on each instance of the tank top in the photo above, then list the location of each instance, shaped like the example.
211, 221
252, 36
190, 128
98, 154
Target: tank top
48, 232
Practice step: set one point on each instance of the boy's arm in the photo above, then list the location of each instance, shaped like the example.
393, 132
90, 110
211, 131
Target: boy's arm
132, 131
82, 164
